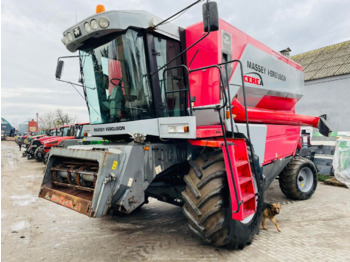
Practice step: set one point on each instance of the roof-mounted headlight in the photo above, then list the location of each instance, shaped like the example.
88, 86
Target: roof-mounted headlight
104, 23
94, 24
87, 27
69, 37
65, 40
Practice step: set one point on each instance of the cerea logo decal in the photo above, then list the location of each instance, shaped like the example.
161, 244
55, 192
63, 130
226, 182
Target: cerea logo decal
253, 78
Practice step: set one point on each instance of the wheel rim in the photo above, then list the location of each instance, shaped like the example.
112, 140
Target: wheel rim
305, 179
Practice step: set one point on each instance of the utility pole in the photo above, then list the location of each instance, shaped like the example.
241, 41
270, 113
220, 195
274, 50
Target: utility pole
37, 121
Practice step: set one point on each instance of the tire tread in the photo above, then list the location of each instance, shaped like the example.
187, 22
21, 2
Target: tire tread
288, 177
209, 215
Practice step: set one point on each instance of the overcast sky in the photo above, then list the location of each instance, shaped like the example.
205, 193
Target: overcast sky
31, 33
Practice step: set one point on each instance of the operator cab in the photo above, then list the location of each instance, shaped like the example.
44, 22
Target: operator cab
65, 130
78, 130
119, 65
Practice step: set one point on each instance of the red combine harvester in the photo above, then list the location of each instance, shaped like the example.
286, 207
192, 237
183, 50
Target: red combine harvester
201, 117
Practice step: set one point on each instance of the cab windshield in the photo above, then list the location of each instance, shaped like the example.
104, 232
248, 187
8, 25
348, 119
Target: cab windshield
116, 82
78, 131
53, 132
65, 131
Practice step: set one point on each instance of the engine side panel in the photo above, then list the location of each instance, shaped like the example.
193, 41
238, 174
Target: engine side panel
281, 142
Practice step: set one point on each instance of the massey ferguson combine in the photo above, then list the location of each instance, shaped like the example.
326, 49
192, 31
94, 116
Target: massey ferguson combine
202, 117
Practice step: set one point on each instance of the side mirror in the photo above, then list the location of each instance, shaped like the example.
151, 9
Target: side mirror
59, 69
210, 17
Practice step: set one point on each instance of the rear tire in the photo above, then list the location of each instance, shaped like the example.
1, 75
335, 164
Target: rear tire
46, 158
30, 154
36, 156
298, 180
208, 208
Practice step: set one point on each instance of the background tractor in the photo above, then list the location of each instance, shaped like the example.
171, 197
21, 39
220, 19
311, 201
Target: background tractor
68, 132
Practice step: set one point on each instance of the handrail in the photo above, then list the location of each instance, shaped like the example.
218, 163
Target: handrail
231, 118
219, 108
187, 84
245, 109
227, 103
221, 81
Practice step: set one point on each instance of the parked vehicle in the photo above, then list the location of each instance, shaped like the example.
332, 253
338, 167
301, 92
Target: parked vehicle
36, 141
74, 132
3, 135
27, 143
205, 121
7, 130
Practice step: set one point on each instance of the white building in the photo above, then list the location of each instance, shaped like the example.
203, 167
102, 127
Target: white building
327, 84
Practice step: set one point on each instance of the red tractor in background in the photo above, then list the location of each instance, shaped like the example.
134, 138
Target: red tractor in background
202, 118
32, 142
37, 141
67, 132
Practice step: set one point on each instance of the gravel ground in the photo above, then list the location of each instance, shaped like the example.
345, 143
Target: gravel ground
37, 230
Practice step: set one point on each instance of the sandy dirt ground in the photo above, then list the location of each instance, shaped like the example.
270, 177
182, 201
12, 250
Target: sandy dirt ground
37, 230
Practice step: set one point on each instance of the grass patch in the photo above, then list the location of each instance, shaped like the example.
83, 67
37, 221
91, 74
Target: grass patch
322, 178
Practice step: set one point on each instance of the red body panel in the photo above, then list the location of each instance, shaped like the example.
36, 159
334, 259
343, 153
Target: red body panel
241, 39
277, 103
46, 138
54, 142
210, 53
208, 131
281, 142
270, 104
271, 95
38, 137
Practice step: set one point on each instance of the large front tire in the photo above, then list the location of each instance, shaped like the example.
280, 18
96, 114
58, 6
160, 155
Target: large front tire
208, 208
298, 180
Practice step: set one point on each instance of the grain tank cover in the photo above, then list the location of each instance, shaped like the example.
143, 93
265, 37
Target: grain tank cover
272, 80
269, 79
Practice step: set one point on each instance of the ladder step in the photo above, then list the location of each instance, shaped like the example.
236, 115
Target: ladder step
244, 179
241, 163
248, 212
247, 196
